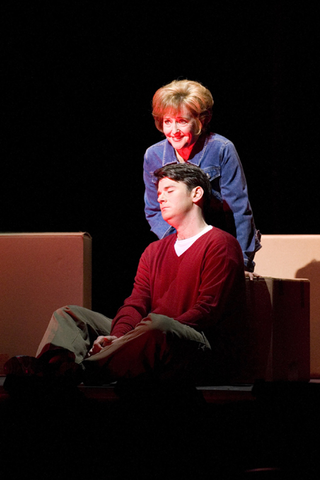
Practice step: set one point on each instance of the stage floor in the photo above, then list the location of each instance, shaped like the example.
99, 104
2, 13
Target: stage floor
269, 429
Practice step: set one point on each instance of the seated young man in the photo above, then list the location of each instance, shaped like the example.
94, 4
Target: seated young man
184, 315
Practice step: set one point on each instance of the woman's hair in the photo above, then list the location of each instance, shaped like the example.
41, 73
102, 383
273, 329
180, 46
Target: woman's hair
191, 175
194, 96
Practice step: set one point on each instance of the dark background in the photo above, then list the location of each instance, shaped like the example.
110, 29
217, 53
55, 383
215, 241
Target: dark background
78, 79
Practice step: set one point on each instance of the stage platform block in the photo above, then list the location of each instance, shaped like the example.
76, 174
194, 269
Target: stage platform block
296, 256
39, 272
278, 322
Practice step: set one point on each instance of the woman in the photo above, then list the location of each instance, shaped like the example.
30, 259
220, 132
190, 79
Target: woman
182, 111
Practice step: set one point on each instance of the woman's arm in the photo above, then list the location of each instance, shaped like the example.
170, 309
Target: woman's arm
235, 196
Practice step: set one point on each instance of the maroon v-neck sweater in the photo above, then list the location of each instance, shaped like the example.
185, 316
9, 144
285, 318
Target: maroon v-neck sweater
198, 288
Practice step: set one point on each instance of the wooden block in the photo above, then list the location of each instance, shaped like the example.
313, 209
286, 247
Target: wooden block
39, 272
296, 256
278, 322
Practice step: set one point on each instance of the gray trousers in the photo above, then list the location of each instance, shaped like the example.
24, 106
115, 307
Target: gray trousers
159, 346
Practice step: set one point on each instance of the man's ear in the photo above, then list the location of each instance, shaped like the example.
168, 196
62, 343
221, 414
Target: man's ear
197, 194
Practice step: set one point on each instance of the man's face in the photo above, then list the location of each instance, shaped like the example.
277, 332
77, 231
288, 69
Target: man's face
180, 129
175, 200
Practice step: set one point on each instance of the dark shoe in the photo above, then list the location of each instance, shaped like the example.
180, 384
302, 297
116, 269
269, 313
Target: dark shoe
23, 365
23, 374
56, 369
60, 362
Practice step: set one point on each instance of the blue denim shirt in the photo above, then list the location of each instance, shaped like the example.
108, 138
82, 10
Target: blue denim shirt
231, 206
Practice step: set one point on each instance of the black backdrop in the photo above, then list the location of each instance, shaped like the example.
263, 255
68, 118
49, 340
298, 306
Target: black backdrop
78, 79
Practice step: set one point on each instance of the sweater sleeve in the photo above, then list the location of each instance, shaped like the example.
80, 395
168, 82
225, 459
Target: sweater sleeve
222, 279
137, 306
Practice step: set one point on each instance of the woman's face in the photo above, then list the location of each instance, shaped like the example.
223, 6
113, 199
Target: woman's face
181, 128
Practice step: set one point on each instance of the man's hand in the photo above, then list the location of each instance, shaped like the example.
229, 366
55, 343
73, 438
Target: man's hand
100, 343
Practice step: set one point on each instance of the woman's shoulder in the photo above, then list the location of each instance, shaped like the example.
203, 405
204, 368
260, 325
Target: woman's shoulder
157, 147
216, 137
220, 146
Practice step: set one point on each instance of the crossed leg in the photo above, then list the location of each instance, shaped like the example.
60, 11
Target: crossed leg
159, 346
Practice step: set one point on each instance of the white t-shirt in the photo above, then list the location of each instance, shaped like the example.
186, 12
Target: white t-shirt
182, 245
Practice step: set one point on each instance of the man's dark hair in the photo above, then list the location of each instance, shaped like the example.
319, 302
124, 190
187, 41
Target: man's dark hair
191, 175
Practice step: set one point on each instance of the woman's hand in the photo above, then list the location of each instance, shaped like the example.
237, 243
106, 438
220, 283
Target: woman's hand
100, 343
251, 275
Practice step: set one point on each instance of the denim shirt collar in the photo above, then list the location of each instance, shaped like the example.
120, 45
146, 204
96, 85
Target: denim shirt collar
169, 155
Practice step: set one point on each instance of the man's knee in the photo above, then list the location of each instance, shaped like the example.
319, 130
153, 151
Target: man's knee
63, 311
